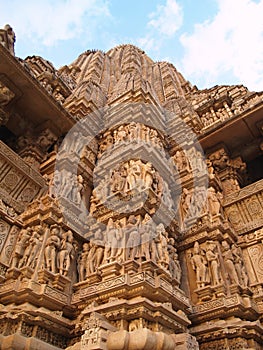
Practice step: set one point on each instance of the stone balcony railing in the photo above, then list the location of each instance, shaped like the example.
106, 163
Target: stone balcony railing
244, 208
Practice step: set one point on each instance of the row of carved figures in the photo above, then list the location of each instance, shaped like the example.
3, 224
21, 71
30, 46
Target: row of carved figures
132, 175
138, 239
67, 185
208, 270
59, 249
129, 133
213, 116
199, 200
191, 159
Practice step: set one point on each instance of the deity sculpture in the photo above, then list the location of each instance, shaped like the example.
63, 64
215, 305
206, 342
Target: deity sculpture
82, 262
66, 253
99, 248
229, 263
162, 246
213, 262
199, 265
20, 247
119, 254
174, 265
33, 247
133, 238
158, 184
181, 161
51, 249
213, 202
145, 230
147, 174
186, 200
110, 241
118, 179
133, 174
239, 265
90, 266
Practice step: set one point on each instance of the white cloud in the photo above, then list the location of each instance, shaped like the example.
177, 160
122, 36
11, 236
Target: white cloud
52, 20
230, 43
148, 43
163, 24
167, 19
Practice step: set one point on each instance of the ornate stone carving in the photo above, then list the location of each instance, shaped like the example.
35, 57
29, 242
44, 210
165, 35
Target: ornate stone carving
8, 38
199, 264
171, 248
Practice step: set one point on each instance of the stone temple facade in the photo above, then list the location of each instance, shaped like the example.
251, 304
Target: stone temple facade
131, 212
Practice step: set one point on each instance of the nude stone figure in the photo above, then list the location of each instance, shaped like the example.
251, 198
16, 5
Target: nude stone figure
52, 248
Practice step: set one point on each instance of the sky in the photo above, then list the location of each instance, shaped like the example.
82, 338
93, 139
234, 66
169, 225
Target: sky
211, 42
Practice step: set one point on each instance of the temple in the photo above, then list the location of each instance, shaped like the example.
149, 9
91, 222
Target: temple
131, 206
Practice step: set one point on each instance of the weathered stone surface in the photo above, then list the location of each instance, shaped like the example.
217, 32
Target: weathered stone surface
130, 208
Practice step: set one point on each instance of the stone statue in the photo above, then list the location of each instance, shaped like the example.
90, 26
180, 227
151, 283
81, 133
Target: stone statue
213, 262
76, 189
22, 243
199, 201
118, 180
110, 241
162, 246
65, 182
34, 245
229, 263
239, 265
186, 200
145, 131
11, 38
181, 161
133, 238
147, 174
52, 248
99, 248
145, 231
213, 202
158, 184
119, 255
90, 267
167, 197
199, 264
133, 174
66, 253
120, 134
174, 265
82, 263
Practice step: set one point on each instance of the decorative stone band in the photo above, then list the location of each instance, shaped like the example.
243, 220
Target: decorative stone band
19, 183
244, 207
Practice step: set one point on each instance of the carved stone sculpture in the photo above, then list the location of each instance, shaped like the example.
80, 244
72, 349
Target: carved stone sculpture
213, 202
53, 245
199, 264
239, 265
82, 262
33, 247
66, 253
22, 243
229, 263
133, 238
174, 264
162, 246
213, 262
